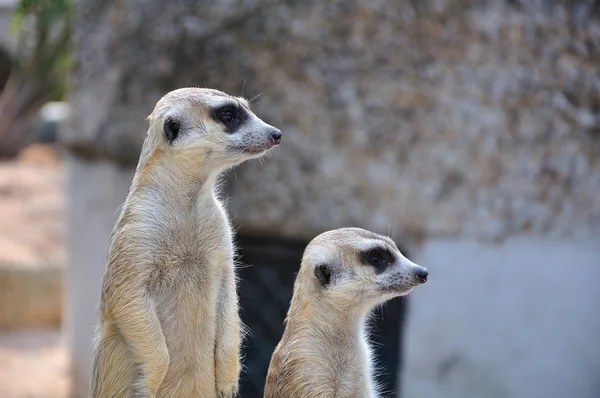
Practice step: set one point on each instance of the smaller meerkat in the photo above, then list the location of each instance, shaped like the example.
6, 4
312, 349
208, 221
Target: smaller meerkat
324, 352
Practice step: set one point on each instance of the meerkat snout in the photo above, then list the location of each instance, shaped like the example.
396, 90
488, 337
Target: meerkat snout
276, 135
422, 275
402, 275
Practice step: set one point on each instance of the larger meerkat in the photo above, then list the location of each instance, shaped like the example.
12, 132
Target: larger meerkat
324, 352
169, 323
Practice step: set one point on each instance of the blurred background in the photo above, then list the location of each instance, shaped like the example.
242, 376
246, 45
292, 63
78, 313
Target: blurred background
468, 130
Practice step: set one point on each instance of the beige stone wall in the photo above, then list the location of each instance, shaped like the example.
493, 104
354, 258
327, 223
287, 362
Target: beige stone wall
428, 118
481, 121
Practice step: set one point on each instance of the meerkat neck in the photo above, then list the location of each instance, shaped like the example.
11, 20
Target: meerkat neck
180, 187
345, 316
329, 320
159, 181
340, 329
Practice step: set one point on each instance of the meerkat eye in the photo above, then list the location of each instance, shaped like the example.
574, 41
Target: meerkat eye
375, 258
380, 258
171, 129
231, 116
226, 115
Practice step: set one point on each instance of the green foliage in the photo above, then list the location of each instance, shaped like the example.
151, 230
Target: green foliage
40, 67
49, 11
43, 32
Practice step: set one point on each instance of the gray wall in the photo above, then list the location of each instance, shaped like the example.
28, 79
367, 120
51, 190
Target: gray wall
95, 191
518, 319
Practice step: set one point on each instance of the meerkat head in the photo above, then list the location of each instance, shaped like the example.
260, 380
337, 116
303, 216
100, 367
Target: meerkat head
359, 268
209, 127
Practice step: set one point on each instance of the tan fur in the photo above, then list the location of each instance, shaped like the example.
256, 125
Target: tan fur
169, 323
324, 352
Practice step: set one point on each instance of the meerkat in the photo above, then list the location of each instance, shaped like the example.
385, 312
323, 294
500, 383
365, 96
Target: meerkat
324, 352
169, 324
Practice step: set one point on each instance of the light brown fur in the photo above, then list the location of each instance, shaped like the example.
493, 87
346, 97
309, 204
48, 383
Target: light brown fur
324, 352
169, 323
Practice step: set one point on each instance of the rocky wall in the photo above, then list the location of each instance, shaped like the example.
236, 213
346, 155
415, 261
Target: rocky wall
424, 118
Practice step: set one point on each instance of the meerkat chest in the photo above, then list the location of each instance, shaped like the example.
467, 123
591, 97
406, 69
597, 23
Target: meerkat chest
186, 280
347, 369
195, 243
192, 256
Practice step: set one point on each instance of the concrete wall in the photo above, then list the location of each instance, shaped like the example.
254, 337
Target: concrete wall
520, 319
96, 190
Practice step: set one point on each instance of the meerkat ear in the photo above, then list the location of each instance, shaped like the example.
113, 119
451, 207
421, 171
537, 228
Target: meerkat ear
171, 129
323, 274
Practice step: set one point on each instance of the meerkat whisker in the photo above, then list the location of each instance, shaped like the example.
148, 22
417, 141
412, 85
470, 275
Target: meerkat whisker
243, 87
257, 97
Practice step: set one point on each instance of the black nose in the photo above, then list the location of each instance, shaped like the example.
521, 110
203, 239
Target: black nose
422, 275
276, 135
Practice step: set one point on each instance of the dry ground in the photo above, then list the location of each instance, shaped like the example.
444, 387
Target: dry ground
32, 223
33, 364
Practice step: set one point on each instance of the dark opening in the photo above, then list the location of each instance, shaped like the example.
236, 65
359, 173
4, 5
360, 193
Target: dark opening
267, 274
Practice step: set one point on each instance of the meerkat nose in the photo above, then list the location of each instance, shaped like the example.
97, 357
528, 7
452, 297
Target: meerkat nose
276, 135
422, 275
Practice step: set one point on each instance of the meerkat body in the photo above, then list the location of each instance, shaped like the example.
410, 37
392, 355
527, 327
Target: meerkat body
324, 352
169, 323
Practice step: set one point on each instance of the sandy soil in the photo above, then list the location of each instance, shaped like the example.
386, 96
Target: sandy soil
33, 364
32, 219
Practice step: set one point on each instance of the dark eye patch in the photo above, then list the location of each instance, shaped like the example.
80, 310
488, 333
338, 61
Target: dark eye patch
231, 116
378, 257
